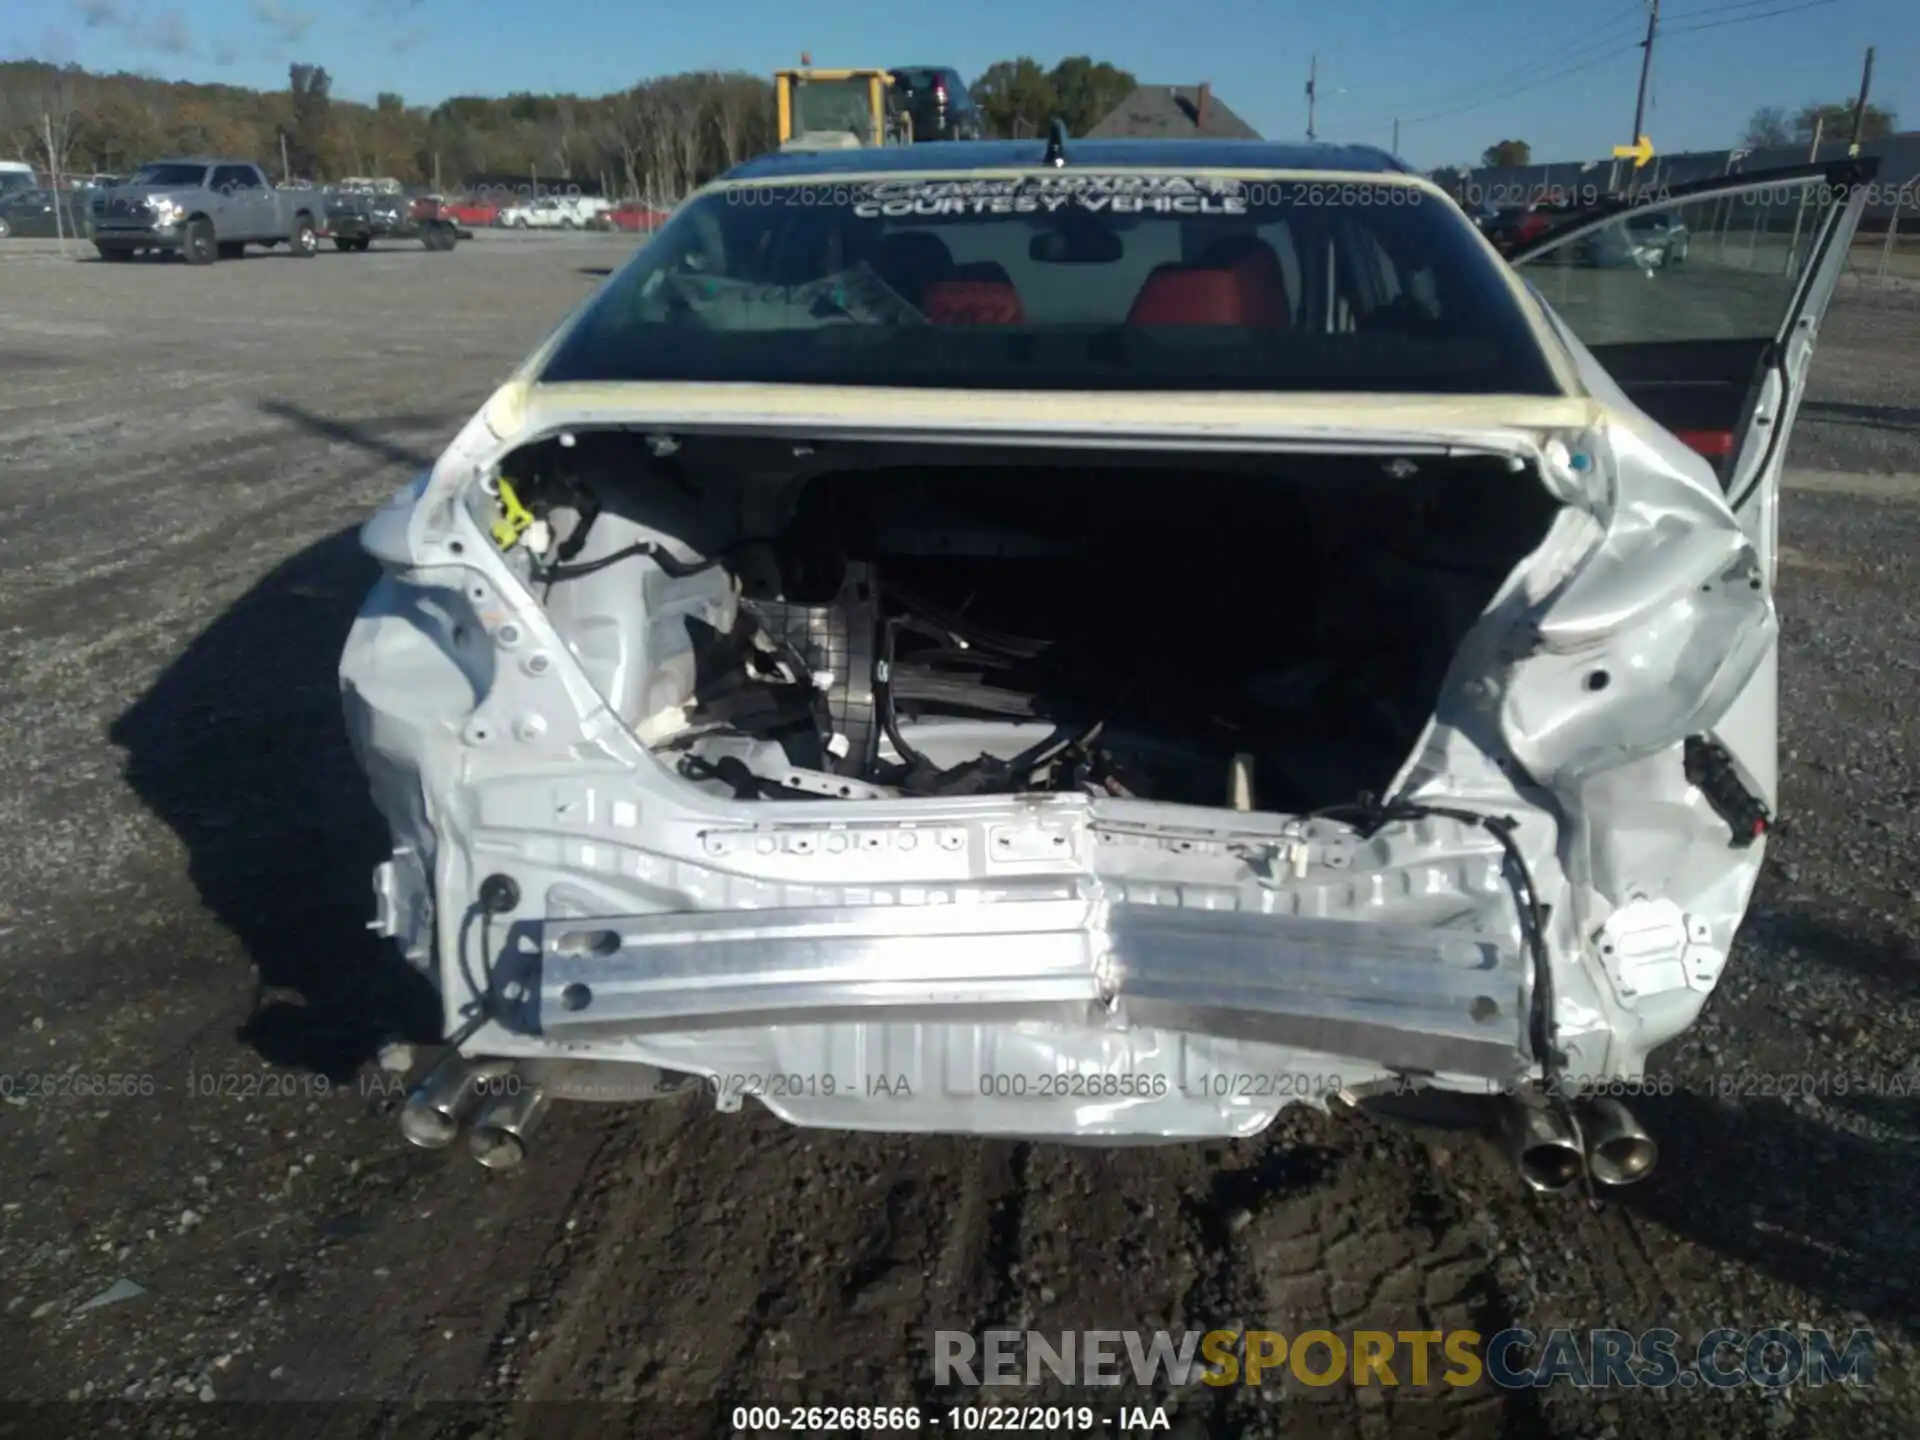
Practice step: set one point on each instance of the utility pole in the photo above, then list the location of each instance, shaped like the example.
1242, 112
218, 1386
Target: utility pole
1646, 68
1860, 105
1313, 72
53, 176
1396, 137
285, 173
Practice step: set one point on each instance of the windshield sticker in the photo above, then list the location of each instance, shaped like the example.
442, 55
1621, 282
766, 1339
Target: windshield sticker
1047, 194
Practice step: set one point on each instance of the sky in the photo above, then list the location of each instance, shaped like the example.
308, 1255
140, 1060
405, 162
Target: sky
1559, 74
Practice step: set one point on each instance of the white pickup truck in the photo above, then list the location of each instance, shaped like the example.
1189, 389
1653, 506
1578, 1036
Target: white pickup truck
552, 212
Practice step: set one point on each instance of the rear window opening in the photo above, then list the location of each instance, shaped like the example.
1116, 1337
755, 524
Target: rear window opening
1075, 281
1247, 632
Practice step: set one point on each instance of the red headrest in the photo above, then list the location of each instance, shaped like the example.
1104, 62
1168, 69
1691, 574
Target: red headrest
972, 302
1177, 295
1263, 287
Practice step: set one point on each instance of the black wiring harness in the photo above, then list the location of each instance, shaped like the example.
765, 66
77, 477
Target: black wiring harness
1368, 815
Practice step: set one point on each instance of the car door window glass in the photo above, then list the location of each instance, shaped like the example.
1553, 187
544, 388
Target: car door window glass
1723, 267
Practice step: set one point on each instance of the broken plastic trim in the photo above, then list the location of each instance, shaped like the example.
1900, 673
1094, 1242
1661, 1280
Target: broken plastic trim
1711, 770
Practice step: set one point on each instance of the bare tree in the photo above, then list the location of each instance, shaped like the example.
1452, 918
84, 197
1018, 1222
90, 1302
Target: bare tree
732, 118
624, 136
658, 117
565, 133
46, 120
689, 132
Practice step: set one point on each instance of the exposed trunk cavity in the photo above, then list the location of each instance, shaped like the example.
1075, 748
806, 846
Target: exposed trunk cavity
1260, 632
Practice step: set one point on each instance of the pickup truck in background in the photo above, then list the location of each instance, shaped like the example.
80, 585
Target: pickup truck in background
361, 211
205, 210
553, 212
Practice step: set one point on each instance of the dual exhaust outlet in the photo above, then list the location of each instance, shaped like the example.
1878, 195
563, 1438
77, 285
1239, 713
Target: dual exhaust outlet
1555, 1147
505, 1105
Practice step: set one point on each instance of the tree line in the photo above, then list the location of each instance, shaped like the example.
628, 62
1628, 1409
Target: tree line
661, 137
658, 138
1772, 127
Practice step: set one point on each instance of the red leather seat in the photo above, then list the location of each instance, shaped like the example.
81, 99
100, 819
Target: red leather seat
1238, 282
1263, 283
980, 294
1188, 295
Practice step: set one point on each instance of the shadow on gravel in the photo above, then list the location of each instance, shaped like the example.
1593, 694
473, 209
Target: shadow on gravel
1876, 417
239, 746
594, 270
363, 436
1768, 1184
1789, 1193
1885, 961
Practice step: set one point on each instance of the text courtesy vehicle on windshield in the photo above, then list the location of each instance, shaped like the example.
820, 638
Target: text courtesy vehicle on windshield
1099, 651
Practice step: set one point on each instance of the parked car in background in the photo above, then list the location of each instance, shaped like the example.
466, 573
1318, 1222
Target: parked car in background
1510, 227
1661, 234
770, 684
17, 175
471, 212
360, 212
1484, 214
37, 214
936, 99
203, 209
630, 216
548, 212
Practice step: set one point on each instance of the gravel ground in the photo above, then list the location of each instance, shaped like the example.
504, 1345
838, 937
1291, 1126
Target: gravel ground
184, 850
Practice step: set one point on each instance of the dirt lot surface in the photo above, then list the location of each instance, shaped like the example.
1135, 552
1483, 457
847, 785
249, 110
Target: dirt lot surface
191, 1007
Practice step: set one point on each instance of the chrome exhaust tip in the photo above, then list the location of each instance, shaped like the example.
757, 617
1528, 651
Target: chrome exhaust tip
431, 1114
500, 1136
1619, 1149
1545, 1149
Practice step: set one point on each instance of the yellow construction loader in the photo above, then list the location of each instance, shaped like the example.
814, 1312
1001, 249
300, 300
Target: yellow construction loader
838, 109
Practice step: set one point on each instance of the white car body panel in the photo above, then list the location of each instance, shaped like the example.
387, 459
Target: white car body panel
803, 953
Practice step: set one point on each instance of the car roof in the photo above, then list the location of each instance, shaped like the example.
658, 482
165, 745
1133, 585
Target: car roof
963, 155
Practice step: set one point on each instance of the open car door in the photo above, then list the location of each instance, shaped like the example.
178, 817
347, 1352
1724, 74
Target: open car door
1702, 302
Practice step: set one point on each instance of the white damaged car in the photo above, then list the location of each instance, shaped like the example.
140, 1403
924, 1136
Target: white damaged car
1098, 642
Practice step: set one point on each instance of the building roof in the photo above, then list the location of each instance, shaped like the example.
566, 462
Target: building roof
1090, 154
1170, 112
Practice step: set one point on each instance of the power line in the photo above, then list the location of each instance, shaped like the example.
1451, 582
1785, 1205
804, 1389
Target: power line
1592, 60
1501, 79
1723, 9
1509, 92
1748, 19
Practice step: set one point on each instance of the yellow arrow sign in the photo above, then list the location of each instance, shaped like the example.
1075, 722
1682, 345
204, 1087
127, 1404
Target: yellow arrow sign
1639, 152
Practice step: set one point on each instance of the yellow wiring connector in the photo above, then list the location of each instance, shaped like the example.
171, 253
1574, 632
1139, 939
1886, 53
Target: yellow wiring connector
514, 517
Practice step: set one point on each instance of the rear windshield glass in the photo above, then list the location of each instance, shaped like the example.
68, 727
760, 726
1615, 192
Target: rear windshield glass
834, 105
168, 175
1065, 280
